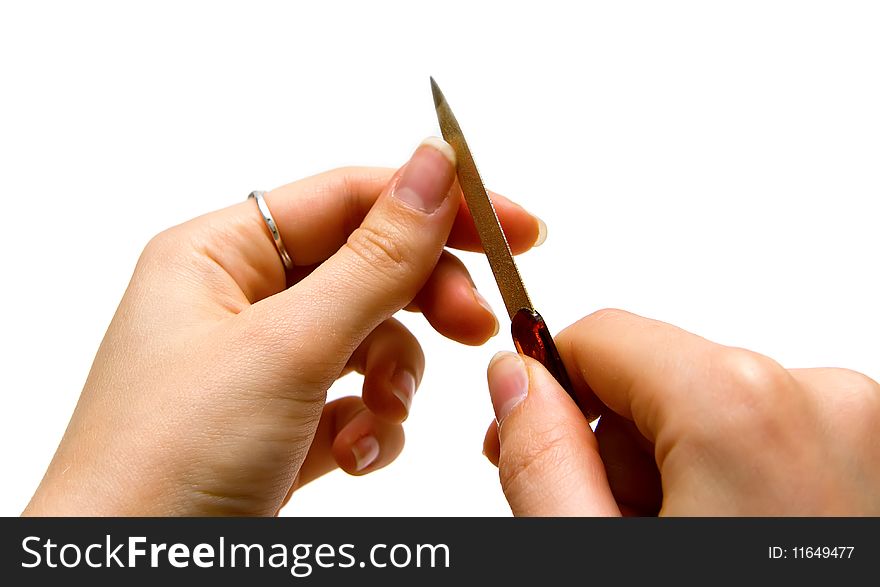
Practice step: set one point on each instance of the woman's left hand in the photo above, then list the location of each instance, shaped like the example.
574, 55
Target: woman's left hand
207, 395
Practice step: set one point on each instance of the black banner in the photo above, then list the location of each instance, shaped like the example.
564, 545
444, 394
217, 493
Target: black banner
428, 551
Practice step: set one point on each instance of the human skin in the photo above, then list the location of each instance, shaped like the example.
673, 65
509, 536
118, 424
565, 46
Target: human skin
691, 427
208, 393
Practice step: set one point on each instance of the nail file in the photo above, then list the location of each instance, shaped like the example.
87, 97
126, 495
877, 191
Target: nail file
530, 333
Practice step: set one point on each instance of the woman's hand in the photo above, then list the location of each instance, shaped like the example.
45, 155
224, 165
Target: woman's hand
207, 395
692, 428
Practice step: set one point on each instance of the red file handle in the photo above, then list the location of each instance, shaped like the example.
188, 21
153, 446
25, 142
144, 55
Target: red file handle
532, 338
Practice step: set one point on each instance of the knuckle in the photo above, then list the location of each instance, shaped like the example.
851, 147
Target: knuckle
589, 322
348, 184
606, 315
755, 394
159, 240
162, 245
381, 251
863, 384
864, 391
750, 372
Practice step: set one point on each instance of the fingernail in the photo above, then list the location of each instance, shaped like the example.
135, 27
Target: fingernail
365, 451
508, 383
425, 181
482, 301
542, 233
403, 386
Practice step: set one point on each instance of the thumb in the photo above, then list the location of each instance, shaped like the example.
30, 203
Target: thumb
379, 270
549, 464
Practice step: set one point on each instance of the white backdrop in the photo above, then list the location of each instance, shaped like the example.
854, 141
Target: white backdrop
714, 166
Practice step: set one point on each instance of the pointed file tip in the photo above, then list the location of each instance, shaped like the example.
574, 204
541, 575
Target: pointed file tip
438, 95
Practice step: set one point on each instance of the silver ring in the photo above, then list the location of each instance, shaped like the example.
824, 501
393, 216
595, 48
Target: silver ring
273, 229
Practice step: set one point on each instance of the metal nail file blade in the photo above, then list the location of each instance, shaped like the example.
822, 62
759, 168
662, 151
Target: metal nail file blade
483, 212
530, 333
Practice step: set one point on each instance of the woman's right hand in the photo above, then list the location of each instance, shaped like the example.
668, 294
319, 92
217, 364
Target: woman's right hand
691, 428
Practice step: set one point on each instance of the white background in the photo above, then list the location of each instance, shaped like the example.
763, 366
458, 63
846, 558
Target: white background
713, 165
